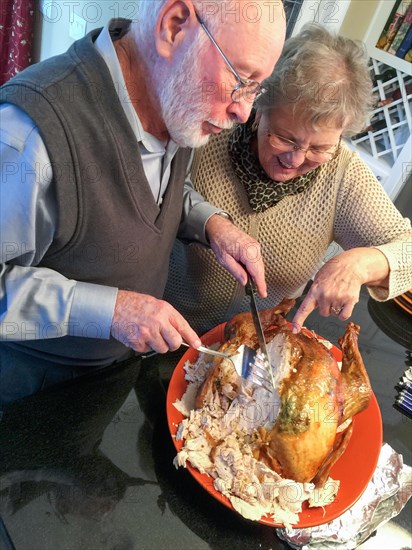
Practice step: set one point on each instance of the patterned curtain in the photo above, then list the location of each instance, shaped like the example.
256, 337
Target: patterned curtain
16, 36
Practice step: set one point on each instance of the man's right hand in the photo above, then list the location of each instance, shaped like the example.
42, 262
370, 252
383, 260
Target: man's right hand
144, 323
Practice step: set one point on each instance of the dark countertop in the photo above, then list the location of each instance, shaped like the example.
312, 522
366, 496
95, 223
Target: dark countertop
89, 464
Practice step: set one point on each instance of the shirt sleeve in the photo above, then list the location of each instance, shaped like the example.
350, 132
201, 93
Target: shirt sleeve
35, 298
196, 211
367, 217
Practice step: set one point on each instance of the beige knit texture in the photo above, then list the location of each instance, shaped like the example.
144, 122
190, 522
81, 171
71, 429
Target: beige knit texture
345, 205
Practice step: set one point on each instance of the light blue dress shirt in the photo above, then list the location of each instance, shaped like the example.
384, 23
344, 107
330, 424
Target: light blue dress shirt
38, 303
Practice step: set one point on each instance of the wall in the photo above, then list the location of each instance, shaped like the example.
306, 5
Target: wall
358, 18
329, 13
54, 18
350, 17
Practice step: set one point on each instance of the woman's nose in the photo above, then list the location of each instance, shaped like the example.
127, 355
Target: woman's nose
295, 157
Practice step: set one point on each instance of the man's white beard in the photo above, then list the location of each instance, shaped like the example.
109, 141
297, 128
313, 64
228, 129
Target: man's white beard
184, 103
183, 113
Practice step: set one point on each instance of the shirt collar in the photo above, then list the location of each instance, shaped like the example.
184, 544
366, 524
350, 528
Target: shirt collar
104, 46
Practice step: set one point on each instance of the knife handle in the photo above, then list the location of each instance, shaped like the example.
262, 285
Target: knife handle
250, 287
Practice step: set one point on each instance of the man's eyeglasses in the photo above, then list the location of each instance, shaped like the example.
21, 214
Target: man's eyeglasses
245, 89
315, 155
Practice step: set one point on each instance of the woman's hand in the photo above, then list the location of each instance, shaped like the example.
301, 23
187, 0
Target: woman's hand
237, 252
336, 286
144, 323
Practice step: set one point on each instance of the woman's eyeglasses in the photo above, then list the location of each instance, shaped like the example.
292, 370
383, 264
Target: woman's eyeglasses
315, 155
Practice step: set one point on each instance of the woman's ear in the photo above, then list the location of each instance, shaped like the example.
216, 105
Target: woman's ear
176, 19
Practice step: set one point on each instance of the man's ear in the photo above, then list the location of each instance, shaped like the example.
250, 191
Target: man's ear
176, 19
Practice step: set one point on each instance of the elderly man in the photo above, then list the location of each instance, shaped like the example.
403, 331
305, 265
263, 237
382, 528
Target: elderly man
95, 147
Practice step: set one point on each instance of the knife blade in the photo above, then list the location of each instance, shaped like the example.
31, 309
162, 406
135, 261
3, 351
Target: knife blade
251, 292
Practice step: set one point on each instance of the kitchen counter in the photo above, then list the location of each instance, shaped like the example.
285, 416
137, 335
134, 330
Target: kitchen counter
89, 464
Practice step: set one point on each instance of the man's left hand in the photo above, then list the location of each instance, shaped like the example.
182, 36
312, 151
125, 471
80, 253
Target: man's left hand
237, 252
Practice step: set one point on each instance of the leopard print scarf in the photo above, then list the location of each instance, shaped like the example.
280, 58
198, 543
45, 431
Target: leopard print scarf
262, 191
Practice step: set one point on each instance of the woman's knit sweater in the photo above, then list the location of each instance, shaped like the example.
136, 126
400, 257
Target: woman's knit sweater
345, 205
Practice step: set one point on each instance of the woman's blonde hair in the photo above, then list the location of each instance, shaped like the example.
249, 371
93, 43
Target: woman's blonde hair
325, 76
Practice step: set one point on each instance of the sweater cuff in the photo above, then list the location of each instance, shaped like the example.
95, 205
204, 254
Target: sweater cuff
382, 294
92, 311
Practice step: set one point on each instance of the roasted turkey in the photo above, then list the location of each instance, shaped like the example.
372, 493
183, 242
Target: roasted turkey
316, 399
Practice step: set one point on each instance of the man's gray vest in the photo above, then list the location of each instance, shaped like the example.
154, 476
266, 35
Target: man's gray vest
110, 230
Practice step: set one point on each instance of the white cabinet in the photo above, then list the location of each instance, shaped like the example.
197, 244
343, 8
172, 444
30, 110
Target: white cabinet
387, 147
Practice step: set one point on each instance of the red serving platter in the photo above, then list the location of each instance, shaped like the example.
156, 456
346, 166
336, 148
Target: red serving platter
354, 468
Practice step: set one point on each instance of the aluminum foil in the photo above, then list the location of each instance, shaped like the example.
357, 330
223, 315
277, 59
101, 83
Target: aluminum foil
386, 494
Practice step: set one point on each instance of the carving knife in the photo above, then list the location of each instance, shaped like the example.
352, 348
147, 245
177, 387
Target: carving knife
251, 291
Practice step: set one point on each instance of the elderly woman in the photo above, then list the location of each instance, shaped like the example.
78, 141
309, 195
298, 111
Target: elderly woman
287, 178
